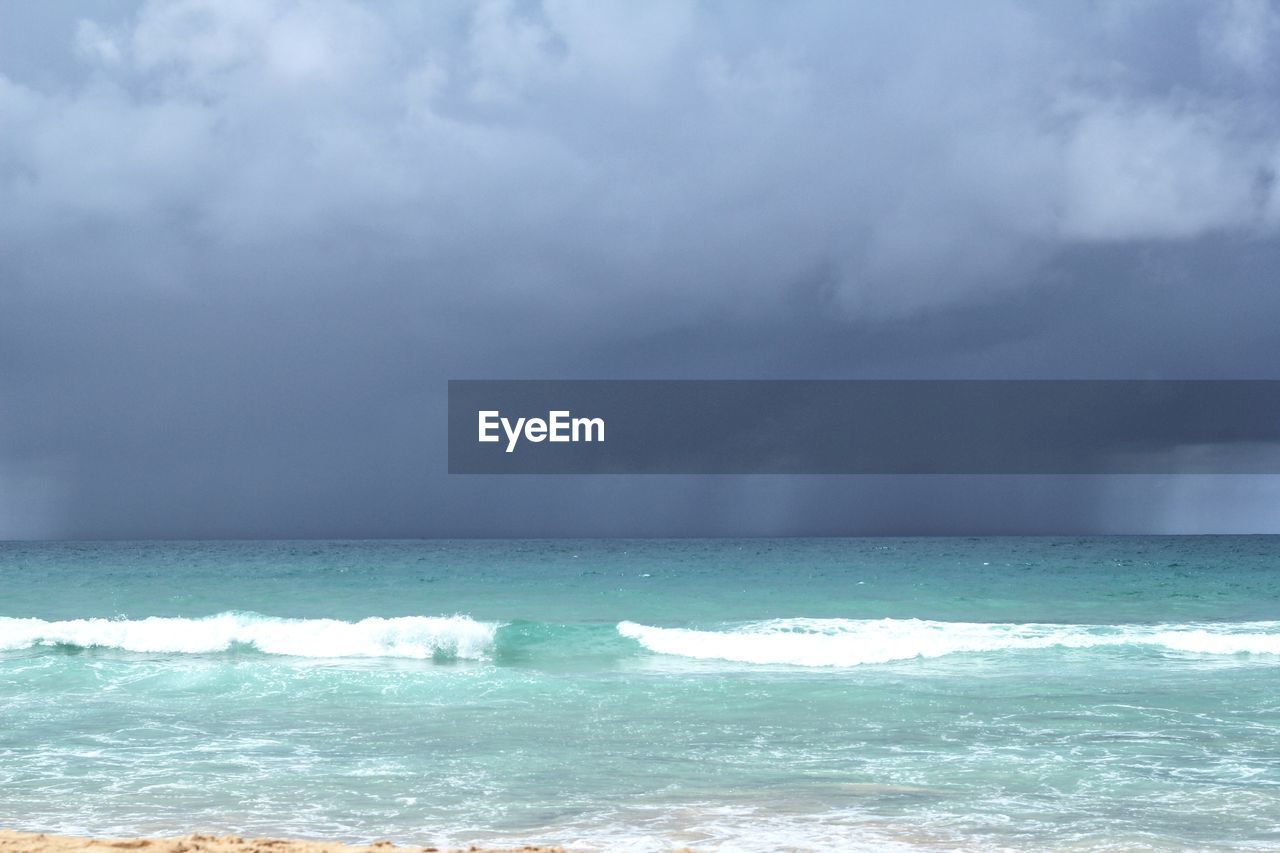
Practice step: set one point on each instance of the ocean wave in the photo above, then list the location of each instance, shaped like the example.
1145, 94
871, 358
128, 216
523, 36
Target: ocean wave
800, 642
853, 642
423, 637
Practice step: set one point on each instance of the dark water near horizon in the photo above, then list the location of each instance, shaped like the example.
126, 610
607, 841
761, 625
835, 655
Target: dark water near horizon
973, 693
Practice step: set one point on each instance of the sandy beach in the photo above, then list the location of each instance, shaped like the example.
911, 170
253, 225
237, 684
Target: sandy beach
30, 842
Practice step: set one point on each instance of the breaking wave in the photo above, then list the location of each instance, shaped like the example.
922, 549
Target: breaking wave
852, 642
421, 637
800, 642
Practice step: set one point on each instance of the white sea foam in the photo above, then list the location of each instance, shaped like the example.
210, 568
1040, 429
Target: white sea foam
851, 642
401, 637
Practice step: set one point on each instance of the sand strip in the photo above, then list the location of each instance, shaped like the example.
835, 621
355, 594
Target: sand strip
30, 842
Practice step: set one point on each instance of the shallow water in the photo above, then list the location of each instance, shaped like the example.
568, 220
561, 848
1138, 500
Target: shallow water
1021, 694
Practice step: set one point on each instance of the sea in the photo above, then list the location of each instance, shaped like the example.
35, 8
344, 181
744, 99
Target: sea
1019, 694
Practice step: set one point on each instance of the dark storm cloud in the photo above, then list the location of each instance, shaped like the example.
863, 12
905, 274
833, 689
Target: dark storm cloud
242, 245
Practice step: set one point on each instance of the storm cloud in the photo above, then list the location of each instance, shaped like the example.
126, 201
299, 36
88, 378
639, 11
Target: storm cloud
244, 244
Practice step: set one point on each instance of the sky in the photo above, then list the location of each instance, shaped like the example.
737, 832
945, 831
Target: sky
244, 245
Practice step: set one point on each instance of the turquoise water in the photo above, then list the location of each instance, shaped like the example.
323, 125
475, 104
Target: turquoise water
987, 694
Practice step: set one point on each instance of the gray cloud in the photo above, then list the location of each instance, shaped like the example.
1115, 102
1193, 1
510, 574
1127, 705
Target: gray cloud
242, 245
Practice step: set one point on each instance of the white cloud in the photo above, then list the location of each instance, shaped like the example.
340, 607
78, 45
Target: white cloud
666, 153
1242, 35
1158, 171
224, 48
96, 44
